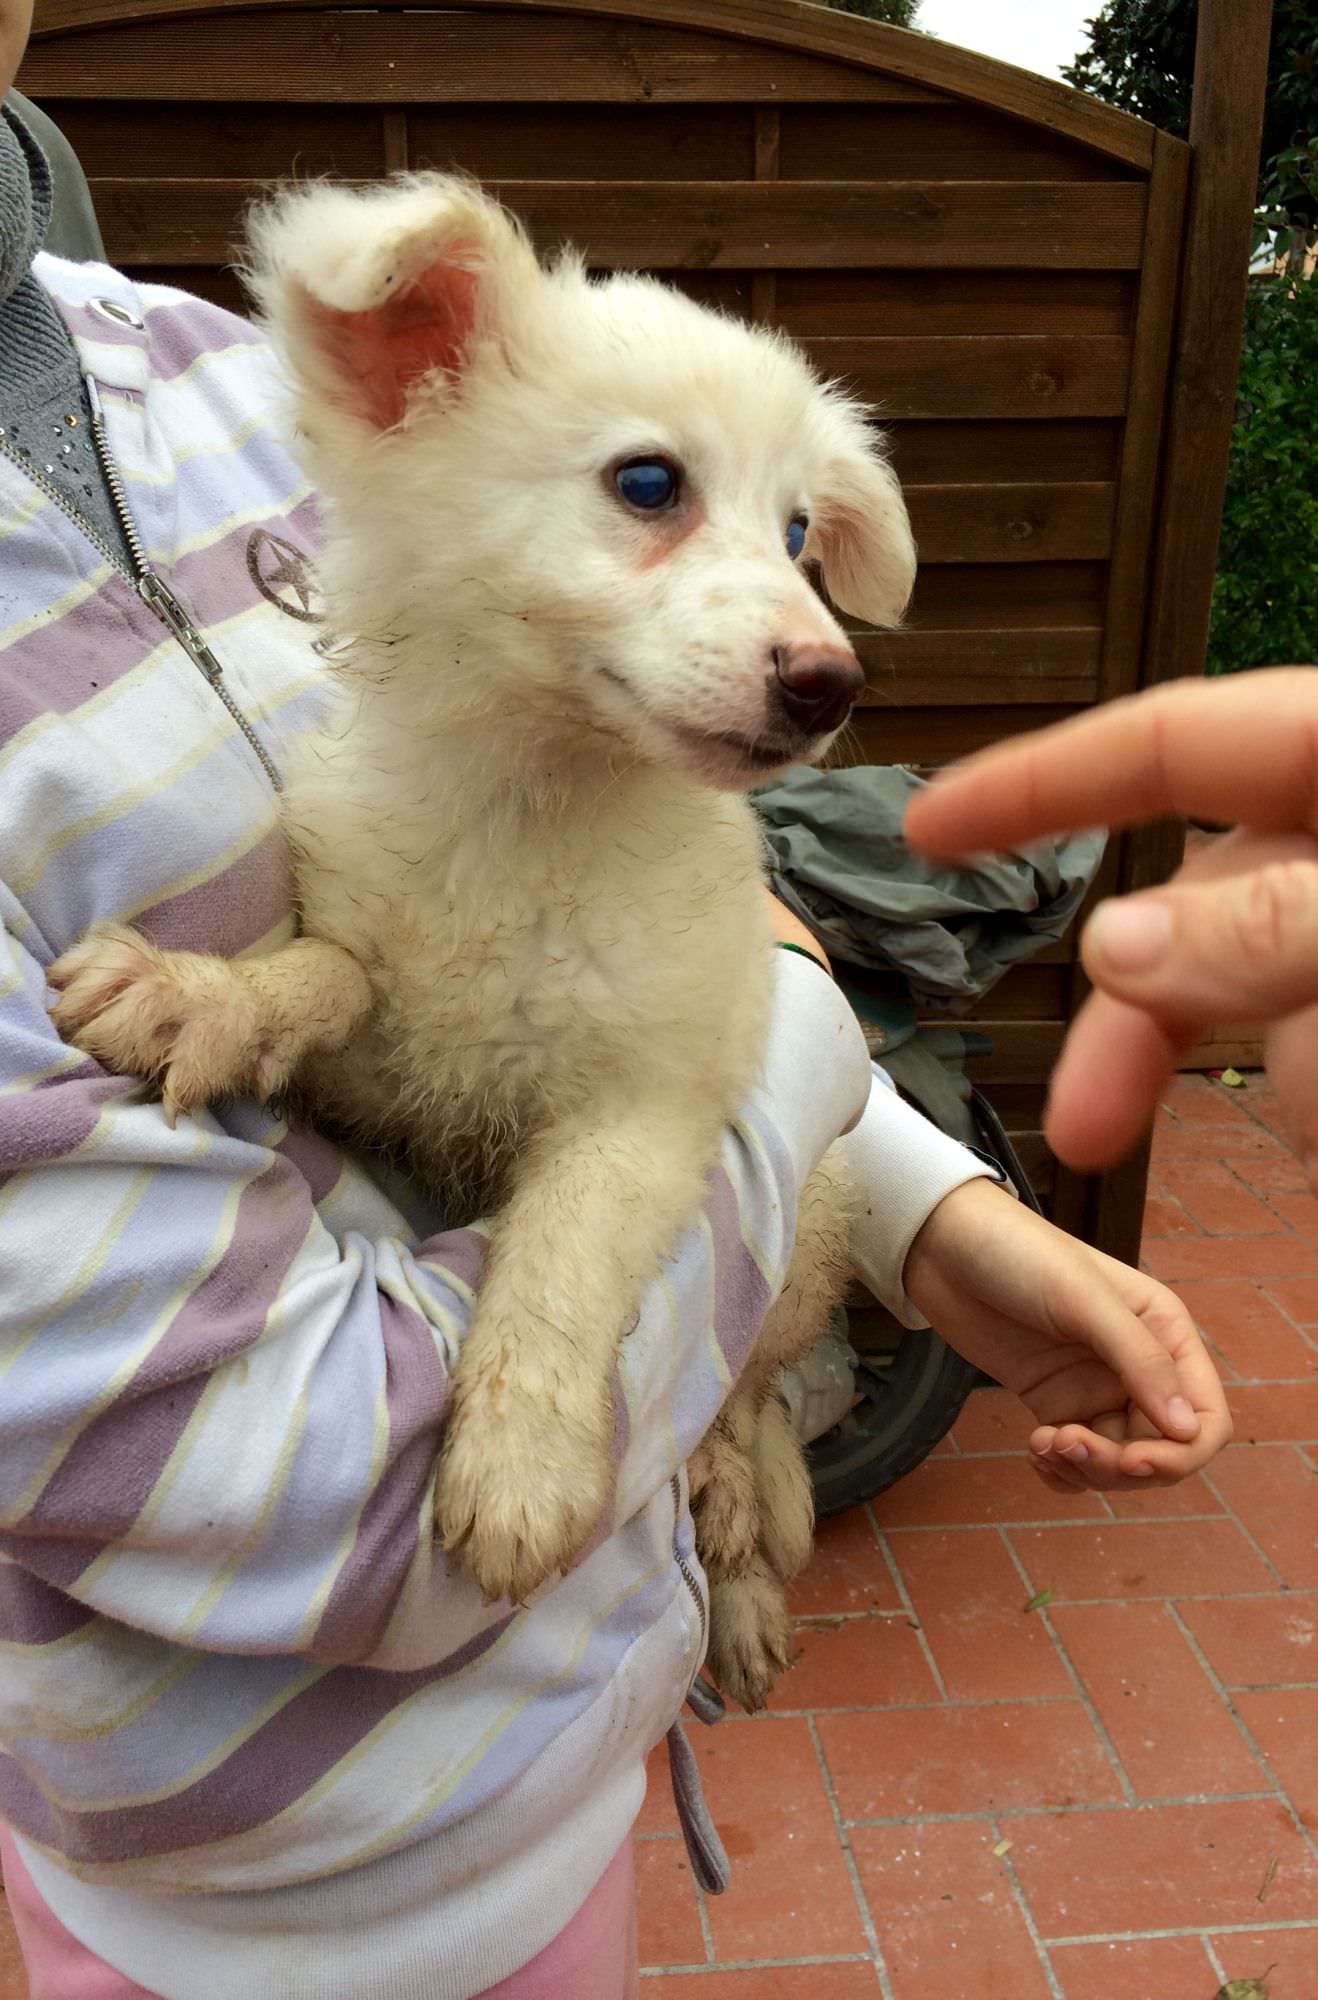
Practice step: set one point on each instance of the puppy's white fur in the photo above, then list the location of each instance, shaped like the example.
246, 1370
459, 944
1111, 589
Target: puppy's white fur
536, 950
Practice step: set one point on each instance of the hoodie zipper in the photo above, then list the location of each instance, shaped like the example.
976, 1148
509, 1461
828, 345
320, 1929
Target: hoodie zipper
154, 592
688, 1574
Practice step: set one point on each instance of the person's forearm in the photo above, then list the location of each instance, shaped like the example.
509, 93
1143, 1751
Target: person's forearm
902, 1167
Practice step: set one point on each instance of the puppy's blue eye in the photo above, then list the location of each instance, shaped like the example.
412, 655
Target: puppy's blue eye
796, 536
647, 483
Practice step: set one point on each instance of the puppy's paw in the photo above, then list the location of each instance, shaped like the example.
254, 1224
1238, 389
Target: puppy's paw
724, 1505
185, 1021
750, 1634
518, 1493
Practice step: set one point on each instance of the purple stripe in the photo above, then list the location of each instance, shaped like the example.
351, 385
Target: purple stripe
32, 1613
225, 1314
269, 1772
741, 1296
60, 664
216, 582
460, 1253
38, 1127
230, 911
318, 1160
181, 329
416, 1396
89, 325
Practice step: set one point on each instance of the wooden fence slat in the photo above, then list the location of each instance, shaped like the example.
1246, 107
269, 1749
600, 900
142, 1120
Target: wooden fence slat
935, 452
933, 302
999, 375
975, 596
443, 57
927, 737
926, 666
1017, 523
879, 142
728, 224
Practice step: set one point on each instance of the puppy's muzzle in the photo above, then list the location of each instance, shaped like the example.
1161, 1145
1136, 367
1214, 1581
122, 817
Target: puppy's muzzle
813, 687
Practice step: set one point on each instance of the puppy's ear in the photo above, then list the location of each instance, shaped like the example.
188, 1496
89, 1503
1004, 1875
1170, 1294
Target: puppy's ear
862, 532
372, 293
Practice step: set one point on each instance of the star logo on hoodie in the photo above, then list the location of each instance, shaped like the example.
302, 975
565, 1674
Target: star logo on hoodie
283, 575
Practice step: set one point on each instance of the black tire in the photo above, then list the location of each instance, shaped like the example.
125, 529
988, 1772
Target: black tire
907, 1403
911, 1386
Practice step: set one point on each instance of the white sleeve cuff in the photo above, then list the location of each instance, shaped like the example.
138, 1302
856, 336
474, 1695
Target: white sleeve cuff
902, 1166
816, 1073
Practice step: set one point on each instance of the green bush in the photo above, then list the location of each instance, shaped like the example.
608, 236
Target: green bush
1265, 602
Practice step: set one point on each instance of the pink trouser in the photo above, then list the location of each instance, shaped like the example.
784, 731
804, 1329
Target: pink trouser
593, 1959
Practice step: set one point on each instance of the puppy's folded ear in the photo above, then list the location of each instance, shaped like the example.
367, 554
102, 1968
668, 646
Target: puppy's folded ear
373, 294
862, 533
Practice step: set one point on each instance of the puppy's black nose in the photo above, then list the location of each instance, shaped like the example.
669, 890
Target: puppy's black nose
815, 686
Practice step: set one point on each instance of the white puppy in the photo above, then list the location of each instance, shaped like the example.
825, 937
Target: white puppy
569, 525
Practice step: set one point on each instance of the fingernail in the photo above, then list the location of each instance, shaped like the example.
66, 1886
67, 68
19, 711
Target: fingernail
1077, 1453
1141, 1472
1181, 1414
1130, 937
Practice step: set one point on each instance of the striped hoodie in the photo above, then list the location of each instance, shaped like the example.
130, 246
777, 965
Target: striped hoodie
256, 1732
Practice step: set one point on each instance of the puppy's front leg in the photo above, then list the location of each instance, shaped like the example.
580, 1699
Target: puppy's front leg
528, 1453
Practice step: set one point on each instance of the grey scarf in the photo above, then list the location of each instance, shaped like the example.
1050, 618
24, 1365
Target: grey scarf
25, 202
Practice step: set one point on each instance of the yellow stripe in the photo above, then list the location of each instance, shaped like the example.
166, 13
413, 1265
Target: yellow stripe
247, 1728
92, 1264
155, 1333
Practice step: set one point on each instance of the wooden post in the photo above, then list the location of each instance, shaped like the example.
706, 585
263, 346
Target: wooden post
1226, 126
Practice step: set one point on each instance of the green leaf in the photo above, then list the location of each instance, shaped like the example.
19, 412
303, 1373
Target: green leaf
1040, 1598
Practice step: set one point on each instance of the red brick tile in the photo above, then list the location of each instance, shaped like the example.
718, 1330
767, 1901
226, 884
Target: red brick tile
783, 1982
847, 1571
1195, 1100
13, 1978
791, 1895
1274, 1412
1261, 1642
1292, 1956
1219, 1202
1299, 1212
1296, 1296
1275, 1493
658, 1814
1269, 1173
1212, 1142
1173, 1258
994, 1420
969, 1597
978, 1759
1165, 1503
1141, 1559
1162, 1868
861, 1663
1284, 1724
1170, 1968
1243, 1324
1165, 1720
668, 1916
950, 1492
1165, 1217
948, 1921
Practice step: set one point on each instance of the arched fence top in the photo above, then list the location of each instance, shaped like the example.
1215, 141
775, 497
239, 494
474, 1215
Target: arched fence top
797, 25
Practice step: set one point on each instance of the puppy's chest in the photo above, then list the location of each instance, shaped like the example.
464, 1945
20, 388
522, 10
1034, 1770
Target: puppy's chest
492, 989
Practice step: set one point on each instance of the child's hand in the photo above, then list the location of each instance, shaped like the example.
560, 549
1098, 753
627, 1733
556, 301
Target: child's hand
1109, 1361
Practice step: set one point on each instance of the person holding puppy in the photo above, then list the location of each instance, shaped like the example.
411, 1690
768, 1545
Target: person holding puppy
259, 1732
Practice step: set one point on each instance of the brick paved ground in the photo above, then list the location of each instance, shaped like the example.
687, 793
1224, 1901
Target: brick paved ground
1115, 1798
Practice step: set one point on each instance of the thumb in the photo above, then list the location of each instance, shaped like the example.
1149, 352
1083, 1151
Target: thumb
1242, 949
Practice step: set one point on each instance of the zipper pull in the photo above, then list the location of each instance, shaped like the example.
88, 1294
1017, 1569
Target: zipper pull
154, 591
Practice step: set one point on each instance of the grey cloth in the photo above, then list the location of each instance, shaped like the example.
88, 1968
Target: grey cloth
838, 858
45, 417
72, 230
